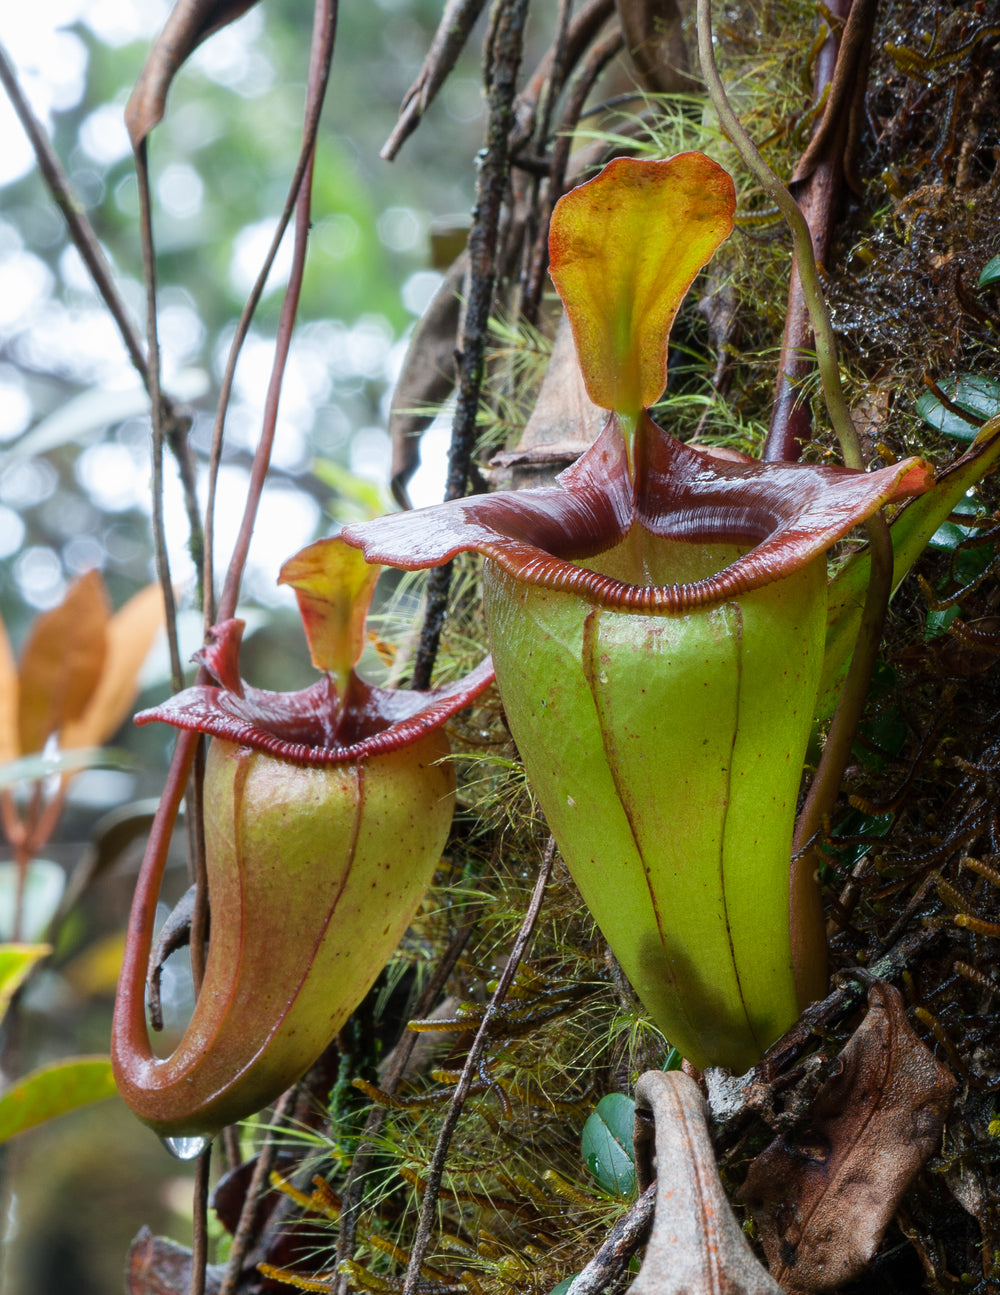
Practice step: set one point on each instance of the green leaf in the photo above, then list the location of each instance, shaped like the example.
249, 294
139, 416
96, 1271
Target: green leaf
978, 394
563, 1286
607, 1144
54, 1090
990, 273
674, 1060
16, 960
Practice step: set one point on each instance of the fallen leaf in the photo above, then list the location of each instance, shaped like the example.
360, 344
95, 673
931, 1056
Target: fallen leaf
190, 22
823, 1196
696, 1246
61, 662
156, 1266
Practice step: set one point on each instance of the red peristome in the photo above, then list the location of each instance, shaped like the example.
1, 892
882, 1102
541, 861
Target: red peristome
790, 513
314, 726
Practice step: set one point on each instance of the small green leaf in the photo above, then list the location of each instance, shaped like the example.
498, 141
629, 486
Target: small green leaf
16, 960
563, 1286
978, 394
674, 1060
858, 831
607, 1144
990, 273
54, 1090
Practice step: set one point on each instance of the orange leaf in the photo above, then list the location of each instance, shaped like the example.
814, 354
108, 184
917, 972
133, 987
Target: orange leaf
334, 586
130, 635
9, 689
624, 249
62, 662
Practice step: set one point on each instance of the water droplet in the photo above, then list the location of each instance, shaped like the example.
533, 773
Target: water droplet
186, 1148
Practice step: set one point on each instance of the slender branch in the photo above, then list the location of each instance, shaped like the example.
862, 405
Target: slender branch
199, 1247
508, 19
259, 1181
398, 1061
621, 1243
597, 60
160, 555
808, 940
790, 428
470, 1071
324, 31
80, 229
81, 232
826, 342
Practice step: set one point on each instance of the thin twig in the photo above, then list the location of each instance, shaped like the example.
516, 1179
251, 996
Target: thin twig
324, 32
826, 342
597, 60
389, 1082
808, 941
160, 555
259, 1182
470, 1071
621, 1243
790, 427
81, 232
484, 238
199, 1246
449, 40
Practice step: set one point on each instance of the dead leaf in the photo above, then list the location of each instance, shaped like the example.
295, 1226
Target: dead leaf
190, 23
9, 688
156, 1266
130, 634
563, 423
62, 661
824, 1196
696, 1246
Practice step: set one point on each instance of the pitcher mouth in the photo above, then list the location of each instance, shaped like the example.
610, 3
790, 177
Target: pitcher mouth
779, 516
316, 726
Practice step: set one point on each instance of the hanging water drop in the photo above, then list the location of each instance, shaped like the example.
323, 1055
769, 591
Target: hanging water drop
186, 1148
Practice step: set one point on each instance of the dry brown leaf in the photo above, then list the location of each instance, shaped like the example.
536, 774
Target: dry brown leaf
62, 661
9, 746
824, 1196
190, 22
563, 423
130, 635
696, 1246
